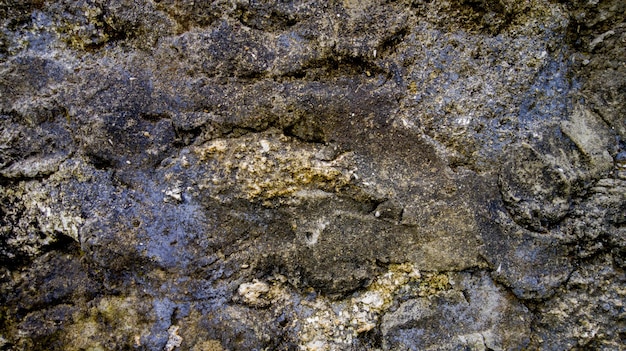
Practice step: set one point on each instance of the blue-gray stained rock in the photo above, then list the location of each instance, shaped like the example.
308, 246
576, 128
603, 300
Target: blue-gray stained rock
314, 175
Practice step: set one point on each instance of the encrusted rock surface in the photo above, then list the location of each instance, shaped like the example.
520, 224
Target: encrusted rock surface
312, 175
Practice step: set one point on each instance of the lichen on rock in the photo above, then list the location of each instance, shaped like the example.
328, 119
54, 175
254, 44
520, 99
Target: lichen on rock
265, 167
313, 175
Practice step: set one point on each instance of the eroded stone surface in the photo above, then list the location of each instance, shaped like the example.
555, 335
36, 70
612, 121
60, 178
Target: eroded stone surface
481, 315
333, 175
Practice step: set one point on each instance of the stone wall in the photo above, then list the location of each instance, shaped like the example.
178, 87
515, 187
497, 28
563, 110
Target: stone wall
312, 175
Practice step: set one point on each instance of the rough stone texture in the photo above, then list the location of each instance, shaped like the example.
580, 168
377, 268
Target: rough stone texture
312, 175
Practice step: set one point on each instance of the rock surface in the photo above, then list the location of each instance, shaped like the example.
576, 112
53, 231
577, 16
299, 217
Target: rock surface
312, 175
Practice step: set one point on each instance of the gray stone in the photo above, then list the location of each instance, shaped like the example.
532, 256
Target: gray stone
475, 314
316, 175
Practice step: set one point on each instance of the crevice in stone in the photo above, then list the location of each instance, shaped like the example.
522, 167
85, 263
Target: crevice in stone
389, 44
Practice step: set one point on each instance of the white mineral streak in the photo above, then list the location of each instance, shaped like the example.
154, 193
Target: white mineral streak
174, 340
334, 324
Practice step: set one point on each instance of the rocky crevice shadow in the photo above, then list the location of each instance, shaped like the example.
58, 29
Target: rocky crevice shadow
246, 175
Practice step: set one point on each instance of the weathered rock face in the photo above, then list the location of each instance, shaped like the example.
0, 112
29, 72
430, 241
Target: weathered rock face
316, 175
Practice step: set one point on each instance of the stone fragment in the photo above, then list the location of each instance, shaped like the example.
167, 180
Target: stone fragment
536, 191
475, 314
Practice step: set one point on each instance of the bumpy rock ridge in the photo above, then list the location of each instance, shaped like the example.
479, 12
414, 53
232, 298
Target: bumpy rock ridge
316, 175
